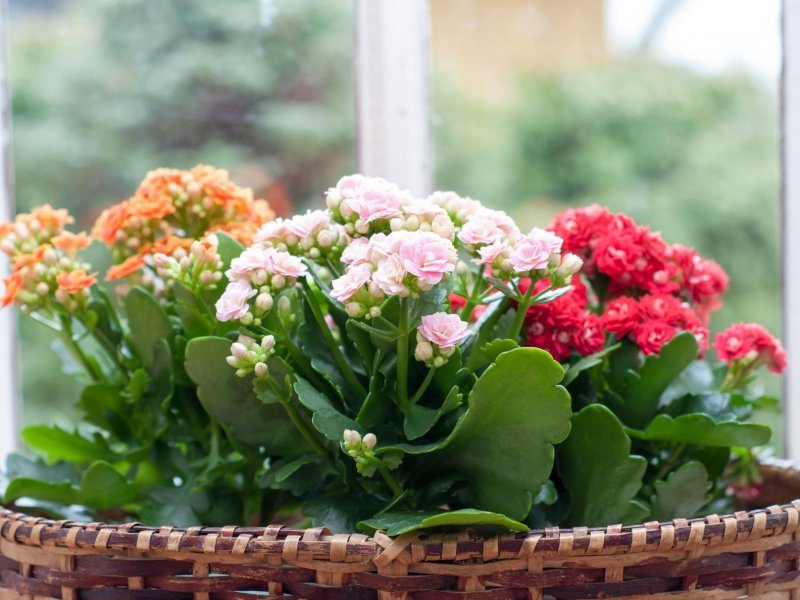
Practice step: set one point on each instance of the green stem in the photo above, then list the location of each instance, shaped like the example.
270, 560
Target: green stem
77, 352
522, 310
336, 352
426, 382
390, 481
307, 434
402, 355
474, 297
667, 465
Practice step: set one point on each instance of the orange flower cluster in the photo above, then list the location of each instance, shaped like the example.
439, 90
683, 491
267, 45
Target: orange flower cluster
175, 204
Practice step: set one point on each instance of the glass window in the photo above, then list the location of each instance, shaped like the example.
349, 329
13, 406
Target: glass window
104, 91
664, 109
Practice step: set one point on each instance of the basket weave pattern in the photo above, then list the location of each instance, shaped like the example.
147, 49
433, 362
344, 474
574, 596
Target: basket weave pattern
753, 554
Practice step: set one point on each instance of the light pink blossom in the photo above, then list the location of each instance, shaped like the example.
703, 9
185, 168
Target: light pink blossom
390, 275
428, 256
443, 329
491, 253
273, 233
283, 263
251, 260
355, 253
378, 199
533, 251
353, 280
308, 224
480, 230
233, 304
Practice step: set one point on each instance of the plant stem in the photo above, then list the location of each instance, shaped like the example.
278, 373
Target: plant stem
402, 355
474, 296
307, 434
522, 310
301, 361
667, 465
336, 352
77, 351
390, 480
426, 382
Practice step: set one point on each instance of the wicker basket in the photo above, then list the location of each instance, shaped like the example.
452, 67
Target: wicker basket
751, 554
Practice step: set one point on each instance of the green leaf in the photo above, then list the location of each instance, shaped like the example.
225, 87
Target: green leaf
340, 511
274, 388
228, 249
488, 353
102, 486
148, 322
502, 288
296, 475
504, 441
57, 444
682, 494
643, 389
103, 406
586, 362
25, 487
231, 400
419, 420
396, 523
547, 296
599, 473
327, 420
702, 430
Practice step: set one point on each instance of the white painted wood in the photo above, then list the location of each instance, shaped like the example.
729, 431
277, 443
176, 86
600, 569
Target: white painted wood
791, 220
9, 398
392, 92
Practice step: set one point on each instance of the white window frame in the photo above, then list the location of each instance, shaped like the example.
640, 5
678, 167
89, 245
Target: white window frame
790, 206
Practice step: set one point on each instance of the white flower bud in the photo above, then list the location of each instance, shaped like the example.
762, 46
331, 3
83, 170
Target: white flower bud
239, 350
461, 268
351, 437
278, 281
42, 288
61, 296
268, 343
50, 257
423, 352
325, 238
242, 373
206, 277
375, 312
185, 263
570, 265
314, 253
260, 369
232, 361
247, 319
354, 310
260, 277
264, 302
284, 307
369, 441
439, 361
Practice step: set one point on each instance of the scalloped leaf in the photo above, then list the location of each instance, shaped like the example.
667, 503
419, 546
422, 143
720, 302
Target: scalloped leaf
396, 523
702, 430
682, 494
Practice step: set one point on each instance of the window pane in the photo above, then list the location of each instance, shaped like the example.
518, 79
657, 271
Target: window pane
105, 90
664, 109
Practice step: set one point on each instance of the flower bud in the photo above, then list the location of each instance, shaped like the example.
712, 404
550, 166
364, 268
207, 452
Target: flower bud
369, 441
268, 343
264, 302
239, 350
354, 310
42, 288
351, 437
278, 281
260, 369
232, 361
260, 277
284, 307
570, 265
423, 351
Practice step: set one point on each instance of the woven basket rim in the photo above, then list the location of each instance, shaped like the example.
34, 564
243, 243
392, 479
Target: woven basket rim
320, 544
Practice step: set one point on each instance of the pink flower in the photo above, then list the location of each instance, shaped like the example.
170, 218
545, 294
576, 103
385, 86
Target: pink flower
444, 330
283, 263
251, 260
390, 275
308, 224
428, 257
378, 199
480, 230
741, 340
533, 251
355, 253
491, 253
273, 233
233, 304
354, 279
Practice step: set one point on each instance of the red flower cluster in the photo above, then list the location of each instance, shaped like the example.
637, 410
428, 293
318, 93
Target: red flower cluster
564, 325
652, 321
637, 260
750, 341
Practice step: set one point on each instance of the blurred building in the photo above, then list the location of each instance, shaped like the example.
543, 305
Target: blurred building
484, 44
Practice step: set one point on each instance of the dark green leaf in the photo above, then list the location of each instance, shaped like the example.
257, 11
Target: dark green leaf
24, 487
231, 400
327, 420
340, 511
57, 444
102, 486
586, 362
396, 523
148, 322
484, 356
599, 473
274, 387
504, 441
228, 249
682, 494
419, 420
702, 430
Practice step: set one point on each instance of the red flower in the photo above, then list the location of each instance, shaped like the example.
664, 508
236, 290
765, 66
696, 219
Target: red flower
589, 337
743, 340
621, 316
652, 335
457, 302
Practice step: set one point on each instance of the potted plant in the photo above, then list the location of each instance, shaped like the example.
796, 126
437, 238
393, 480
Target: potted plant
388, 365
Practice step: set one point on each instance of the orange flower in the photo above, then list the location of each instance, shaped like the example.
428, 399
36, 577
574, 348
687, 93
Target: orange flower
169, 244
125, 269
23, 261
262, 213
111, 221
75, 281
52, 218
155, 207
72, 242
13, 285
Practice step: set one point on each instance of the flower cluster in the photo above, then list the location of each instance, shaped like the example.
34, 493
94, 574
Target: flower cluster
46, 272
637, 260
748, 346
313, 235
259, 274
200, 266
249, 356
565, 325
173, 203
653, 320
